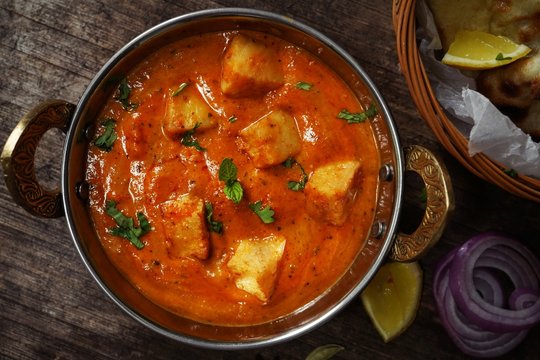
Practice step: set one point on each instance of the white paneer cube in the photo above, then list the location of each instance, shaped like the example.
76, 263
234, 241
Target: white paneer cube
185, 227
331, 189
250, 68
185, 110
271, 139
255, 265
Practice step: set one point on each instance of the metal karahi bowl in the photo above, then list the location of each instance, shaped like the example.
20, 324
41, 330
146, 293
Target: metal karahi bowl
384, 240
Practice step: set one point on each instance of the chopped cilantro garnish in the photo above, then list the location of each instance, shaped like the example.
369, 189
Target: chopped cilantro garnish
188, 139
304, 85
215, 226
289, 162
180, 88
265, 213
228, 173
122, 95
501, 57
232, 119
296, 185
355, 118
126, 227
106, 140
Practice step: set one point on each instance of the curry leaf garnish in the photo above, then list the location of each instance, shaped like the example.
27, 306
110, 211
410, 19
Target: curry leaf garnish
501, 57
228, 173
355, 118
265, 213
302, 85
126, 227
296, 185
215, 226
232, 119
324, 352
188, 139
122, 95
180, 88
106, 140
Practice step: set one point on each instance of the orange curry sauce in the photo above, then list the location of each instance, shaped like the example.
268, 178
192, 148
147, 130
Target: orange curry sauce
148, 166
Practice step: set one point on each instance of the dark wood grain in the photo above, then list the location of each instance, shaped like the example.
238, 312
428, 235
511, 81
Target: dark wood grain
51, 308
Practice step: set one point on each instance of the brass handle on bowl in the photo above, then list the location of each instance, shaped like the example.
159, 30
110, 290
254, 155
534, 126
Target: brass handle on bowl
19, 154
439, 204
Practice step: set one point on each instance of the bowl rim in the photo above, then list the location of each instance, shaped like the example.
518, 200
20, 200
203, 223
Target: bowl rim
391, 227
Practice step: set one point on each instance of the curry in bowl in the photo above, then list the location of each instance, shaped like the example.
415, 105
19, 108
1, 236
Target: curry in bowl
233, 177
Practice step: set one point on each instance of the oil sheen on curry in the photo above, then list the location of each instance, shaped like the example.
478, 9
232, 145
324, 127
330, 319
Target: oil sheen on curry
233, 177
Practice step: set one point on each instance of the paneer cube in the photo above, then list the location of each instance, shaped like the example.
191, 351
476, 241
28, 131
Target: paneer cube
185, 227
255, 265
185, 110
271, 139
331, 189
250, 68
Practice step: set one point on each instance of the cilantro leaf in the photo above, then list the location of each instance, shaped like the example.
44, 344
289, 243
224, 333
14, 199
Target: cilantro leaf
234, 191
289, 163
122, 95
355, 118
265, 214
304, 85
180, 88
143, 223
188, 139
126, 228
228, 173
501, 57
227, 170
107, 139
215, 226
296, 185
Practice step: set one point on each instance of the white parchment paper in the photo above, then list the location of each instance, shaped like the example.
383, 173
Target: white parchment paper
488, 130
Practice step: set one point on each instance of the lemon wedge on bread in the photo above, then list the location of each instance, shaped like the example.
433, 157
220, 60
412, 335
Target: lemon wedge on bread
477, 50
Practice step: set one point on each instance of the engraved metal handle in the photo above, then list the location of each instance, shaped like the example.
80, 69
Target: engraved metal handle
439, 205
18, 158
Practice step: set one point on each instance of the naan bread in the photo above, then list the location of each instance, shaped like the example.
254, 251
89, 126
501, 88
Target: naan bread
450, 17
514, 88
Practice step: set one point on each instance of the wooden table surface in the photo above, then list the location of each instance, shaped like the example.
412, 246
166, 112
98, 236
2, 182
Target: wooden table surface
51, 308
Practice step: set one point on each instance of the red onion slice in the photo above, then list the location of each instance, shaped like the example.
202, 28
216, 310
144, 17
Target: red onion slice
522, 298
471, 304
468, 337
509, 262
469, 291
489, 286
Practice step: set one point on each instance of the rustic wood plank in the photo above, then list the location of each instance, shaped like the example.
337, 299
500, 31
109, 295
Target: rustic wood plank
50, 306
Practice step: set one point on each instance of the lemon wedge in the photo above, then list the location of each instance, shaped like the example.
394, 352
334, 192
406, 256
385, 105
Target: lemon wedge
477, 50
392, 298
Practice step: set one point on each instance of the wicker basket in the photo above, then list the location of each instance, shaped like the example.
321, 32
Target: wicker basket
432, 112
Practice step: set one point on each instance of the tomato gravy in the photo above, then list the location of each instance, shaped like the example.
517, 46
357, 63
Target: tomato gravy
315, 179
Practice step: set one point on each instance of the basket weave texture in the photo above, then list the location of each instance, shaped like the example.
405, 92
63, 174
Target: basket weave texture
431, 111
